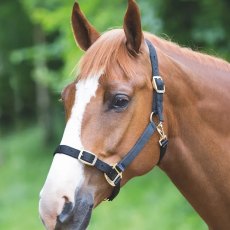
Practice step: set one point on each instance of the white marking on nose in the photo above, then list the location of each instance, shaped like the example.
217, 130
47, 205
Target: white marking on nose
66, 173
85, 90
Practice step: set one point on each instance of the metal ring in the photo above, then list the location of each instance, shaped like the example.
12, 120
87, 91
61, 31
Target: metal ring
151, 117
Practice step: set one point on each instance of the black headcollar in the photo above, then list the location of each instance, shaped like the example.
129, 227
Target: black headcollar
113, 174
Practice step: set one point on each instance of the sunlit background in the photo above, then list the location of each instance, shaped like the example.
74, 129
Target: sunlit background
37, 58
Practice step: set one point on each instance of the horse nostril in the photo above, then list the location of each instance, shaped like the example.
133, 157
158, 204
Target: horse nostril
67, 212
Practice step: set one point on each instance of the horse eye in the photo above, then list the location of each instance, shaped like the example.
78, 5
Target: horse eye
120, 102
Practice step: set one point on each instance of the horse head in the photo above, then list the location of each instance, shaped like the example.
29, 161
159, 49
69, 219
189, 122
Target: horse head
107, 109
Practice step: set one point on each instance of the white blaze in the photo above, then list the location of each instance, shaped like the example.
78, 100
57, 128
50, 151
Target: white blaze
66, 173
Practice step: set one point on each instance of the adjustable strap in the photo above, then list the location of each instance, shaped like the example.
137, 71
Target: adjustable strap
157, 81
132, 154
113, 174
91, 159
157, 106
153, 58
85, 157
163, 148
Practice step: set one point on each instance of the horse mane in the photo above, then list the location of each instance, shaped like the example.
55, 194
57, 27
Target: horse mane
110, 50
174, 50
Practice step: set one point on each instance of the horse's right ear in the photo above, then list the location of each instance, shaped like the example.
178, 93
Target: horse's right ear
84, 33
132, 27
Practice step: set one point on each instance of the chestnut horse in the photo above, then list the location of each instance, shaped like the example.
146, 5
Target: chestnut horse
110, 106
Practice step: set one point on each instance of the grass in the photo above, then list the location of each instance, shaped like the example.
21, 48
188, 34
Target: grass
23, 166
147, 202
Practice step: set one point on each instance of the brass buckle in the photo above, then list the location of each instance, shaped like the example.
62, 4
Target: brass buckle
86, 162
155, 84
112, 182
160, 130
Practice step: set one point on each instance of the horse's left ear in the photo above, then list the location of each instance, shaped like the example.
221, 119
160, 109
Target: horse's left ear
84, 33
132, 27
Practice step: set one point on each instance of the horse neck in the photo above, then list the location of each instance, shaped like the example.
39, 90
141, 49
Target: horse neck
196, 160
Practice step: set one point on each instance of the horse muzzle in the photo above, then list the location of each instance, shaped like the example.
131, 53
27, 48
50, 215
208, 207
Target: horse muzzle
73, 216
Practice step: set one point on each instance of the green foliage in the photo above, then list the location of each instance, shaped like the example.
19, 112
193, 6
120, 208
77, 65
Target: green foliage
202, 24
14, 23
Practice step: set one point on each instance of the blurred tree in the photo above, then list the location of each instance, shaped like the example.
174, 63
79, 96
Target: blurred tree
200, 24
211, 27
15, 85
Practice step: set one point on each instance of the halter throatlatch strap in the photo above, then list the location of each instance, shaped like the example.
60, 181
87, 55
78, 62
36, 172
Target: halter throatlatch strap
113, 174
157, 106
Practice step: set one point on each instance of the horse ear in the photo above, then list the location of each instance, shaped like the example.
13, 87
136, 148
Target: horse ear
132, 27
84, 33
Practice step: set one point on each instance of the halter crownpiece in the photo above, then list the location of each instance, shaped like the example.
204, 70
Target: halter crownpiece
113, 174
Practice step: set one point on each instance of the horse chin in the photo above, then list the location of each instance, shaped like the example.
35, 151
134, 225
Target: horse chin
76, 217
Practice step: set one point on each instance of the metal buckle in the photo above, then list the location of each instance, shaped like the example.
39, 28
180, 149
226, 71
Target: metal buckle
112, 182
155, 84
160, 130
161, 141
86, 162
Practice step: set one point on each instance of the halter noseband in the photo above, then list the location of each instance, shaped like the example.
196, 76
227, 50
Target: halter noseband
113, 174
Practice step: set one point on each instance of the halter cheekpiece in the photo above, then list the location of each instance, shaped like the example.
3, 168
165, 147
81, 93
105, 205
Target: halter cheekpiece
113, 174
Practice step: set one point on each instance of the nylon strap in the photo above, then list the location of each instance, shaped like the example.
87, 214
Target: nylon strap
113, 174
132, 154
157, 106
153, 58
